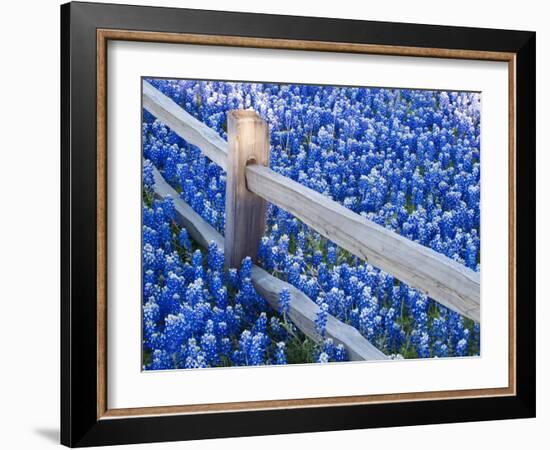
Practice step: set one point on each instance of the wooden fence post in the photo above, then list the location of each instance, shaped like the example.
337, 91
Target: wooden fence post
248, 139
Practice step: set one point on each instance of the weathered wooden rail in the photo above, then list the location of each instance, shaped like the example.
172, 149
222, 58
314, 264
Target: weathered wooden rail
302, 311
437, 276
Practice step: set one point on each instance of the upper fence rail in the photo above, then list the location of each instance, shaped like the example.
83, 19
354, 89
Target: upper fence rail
443, 279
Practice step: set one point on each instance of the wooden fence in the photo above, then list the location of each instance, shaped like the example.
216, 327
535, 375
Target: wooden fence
251, 183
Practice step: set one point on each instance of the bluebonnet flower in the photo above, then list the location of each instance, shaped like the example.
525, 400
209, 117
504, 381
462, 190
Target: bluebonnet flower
175, 331
148, 178
257, 350
331, 255
461, 347
195, 357
322, 319
340, 353
161, 360
280, 356
210, 347
284, 301
197, 264
246, 268
215, 258
183, 239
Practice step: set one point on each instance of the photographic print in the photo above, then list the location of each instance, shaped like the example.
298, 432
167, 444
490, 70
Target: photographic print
404, 162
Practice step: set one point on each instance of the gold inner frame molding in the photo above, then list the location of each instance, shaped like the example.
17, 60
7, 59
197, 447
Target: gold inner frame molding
103, 36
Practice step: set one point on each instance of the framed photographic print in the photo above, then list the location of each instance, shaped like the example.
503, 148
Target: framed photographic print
277, 224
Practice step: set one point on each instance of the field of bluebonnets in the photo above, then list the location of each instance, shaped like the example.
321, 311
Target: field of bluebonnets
406, 159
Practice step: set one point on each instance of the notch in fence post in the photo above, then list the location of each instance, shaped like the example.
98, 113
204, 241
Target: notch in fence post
245, 212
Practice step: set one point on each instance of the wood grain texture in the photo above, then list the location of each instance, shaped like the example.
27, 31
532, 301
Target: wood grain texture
512, 221
348, 400
101, 224
303, 310
184, 124
437, 276
304, 45
245, 212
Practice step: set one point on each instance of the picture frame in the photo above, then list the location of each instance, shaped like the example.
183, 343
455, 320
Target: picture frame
86, 29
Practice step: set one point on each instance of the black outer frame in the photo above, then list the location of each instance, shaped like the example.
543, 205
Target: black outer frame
79, 424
